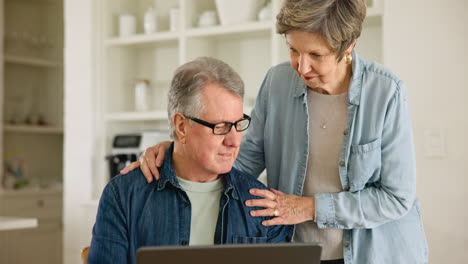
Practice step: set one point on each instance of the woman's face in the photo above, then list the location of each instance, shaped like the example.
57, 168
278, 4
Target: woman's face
314, 61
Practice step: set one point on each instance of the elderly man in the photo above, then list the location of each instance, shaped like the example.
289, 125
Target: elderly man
200, 198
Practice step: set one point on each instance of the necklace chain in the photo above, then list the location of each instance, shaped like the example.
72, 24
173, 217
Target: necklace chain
328, 114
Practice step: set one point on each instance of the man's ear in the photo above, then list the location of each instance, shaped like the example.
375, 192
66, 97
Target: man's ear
181, 126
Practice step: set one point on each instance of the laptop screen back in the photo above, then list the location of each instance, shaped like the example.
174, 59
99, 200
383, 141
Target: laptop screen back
287, 253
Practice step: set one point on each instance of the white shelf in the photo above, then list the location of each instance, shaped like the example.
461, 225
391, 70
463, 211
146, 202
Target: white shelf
34, 129
30, 191
217, 30
30, 61
143, 39
137, 116
221, 30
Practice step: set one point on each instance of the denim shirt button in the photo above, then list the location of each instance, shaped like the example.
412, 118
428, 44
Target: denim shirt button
187, 204
342, 163
346, 244
184, 243
345, 132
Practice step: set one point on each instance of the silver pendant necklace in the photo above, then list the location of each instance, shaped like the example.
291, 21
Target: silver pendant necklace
329, 113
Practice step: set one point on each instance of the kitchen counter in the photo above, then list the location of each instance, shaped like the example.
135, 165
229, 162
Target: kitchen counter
12, 223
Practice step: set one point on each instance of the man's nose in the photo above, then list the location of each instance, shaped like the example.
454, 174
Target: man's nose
233, 138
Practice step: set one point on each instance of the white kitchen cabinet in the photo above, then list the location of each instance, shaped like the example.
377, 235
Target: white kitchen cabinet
250, 48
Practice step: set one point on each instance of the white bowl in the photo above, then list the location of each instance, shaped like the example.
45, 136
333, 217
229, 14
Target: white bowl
238, 11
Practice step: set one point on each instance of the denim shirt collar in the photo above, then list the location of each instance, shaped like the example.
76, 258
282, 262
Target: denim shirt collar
354, 92
168, 176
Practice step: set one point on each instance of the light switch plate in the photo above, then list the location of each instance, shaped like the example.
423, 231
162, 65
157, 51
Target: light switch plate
434, 143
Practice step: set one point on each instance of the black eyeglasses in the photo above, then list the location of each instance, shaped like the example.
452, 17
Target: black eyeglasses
223, 128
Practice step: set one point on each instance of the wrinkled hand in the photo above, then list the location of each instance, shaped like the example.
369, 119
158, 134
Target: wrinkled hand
149, 161
290, 209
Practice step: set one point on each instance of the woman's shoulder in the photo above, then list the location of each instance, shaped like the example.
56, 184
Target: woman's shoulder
378, 79
376, 70
280, 76
283, 68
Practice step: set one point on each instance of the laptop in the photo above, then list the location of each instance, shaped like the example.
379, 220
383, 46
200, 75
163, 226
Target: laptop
291, 253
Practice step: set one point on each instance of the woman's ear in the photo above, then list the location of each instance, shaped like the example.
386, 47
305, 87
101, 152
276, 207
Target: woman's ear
351, 47
181, 127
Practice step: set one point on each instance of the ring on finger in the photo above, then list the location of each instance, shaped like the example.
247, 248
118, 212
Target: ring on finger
275, 212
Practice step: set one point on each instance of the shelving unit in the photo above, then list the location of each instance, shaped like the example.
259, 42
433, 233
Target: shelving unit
250, 48
33, 88
31, 132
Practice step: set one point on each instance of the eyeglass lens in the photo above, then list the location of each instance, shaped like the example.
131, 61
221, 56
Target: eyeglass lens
224, 128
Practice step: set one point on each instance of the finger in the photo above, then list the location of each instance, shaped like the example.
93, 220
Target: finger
278, 193
261, 203
130, 167
146, 171
154, 171
161, 153
149, 155
263, 193
274, 221
263, 212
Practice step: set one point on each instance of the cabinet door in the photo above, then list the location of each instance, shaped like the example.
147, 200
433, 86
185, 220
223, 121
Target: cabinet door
38, 246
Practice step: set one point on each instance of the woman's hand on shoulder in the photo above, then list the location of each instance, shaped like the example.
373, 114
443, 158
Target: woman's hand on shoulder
286, 209
150, 161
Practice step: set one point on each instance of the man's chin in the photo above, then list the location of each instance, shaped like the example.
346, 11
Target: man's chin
225, 169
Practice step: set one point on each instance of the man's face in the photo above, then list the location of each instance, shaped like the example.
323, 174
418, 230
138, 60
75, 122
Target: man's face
212, 154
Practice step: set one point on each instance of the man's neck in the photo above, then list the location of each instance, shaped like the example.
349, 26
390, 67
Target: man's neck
188, 170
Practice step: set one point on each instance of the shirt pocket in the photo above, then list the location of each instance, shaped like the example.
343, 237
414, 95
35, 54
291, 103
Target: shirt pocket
248, 240
364, 164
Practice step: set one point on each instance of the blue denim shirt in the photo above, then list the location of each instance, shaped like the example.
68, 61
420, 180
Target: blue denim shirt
133, 213
378, 208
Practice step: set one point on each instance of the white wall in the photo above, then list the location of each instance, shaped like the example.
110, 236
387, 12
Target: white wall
79, 121
425, 43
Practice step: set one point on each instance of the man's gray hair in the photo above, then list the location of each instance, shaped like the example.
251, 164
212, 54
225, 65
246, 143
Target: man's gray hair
339, 22
185, 93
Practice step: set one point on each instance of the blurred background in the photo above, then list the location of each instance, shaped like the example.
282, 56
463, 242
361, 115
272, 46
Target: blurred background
84, 92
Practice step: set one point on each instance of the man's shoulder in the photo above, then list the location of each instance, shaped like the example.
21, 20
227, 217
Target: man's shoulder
245, 181
130, 182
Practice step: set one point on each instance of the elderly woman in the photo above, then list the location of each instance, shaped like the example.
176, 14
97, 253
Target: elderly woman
333, 132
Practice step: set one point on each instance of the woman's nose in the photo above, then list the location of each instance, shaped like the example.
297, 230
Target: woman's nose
303, 65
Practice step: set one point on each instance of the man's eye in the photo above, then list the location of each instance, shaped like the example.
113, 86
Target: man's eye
221, 126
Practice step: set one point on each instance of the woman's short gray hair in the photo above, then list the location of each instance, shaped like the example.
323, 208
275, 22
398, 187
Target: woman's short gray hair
188, 81
338, 21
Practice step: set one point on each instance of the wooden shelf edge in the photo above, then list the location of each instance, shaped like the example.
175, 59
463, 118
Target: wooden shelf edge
30, 191
34, 129
30, 61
